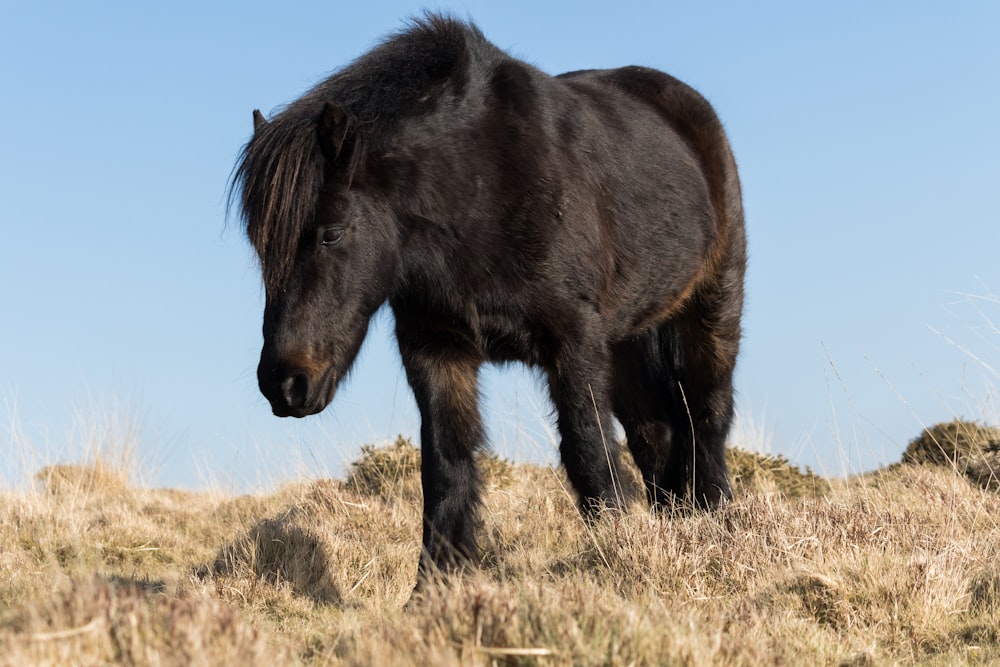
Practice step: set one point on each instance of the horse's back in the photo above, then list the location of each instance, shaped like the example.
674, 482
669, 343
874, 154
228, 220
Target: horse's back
683, 113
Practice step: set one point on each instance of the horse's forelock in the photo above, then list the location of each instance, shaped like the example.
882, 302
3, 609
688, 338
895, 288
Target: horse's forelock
278, 179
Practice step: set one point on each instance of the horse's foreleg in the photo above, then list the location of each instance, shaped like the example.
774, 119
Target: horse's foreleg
578, 383
446, 388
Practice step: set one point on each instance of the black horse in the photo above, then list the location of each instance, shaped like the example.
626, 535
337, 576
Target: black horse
588, 224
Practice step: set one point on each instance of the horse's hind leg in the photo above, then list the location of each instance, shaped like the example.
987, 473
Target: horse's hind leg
641, 384
702, 412
704, 345
674, 397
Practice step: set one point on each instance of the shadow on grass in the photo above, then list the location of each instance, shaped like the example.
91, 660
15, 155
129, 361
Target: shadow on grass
279, 553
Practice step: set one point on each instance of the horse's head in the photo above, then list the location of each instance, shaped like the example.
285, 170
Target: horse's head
326, 270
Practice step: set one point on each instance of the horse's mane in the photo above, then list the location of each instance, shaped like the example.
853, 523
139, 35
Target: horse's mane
280, 171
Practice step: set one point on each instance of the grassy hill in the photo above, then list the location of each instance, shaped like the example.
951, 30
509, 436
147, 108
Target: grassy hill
894, 566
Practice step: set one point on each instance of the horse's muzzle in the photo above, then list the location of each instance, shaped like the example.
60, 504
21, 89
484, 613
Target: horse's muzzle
292, 391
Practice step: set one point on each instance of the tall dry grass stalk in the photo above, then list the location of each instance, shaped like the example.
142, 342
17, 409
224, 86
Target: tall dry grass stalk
894, 567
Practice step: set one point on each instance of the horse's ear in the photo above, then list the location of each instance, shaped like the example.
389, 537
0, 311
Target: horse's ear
335, 130
259, 122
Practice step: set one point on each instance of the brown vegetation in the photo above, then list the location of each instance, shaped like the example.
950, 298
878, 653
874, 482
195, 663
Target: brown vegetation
895, 566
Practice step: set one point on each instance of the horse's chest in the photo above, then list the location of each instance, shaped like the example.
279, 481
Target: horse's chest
508, 335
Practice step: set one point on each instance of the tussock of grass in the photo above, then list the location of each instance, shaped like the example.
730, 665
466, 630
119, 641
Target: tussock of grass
391, 472
98, 478
762, 473
967, 447
950, 442
889, 568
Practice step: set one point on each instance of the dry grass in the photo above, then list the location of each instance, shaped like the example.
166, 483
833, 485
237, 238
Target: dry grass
895, 567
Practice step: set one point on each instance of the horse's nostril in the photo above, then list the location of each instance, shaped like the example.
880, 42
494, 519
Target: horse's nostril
295, 389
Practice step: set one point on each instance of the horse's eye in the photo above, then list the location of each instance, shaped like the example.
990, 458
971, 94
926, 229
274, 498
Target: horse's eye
331, 235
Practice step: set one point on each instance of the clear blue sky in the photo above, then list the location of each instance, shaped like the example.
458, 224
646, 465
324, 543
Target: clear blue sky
867, 138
